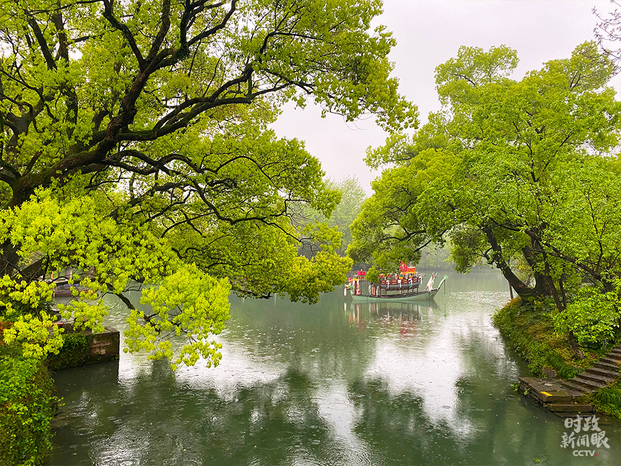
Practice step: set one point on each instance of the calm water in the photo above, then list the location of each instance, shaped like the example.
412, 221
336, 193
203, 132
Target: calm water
329, 384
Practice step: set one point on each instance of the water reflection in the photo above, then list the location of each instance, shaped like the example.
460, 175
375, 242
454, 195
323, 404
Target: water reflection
162, 419
402, 315
337, 383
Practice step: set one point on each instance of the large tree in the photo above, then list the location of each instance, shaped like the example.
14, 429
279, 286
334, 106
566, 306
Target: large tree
134, 143
516, 172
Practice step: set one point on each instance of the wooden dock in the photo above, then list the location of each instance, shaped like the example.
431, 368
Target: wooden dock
567, 397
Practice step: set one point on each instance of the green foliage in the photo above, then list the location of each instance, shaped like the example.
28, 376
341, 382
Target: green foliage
563, 369
187, 302
35, 336
26, 410
319, 273
437, 257
75, 346
528, 329
468, 247
511, 173
136, 148
373, 275
608, 400
593, 317
406, 211
114, 251
352, 196
458, 78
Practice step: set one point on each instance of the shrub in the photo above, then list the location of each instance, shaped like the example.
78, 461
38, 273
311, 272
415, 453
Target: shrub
26, 410
592, 316
608, 400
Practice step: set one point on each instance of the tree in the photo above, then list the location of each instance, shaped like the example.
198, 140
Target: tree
608, 32
403, 215
134, 145
352, 195
516, 172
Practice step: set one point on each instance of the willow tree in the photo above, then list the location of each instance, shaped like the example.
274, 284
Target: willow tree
135, 143
515, 172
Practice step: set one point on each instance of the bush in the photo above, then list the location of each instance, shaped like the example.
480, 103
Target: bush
592, 316
608, 400
373, 275
26, 410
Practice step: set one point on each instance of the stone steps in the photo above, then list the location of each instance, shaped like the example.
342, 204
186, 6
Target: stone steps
589, 383
563, 397
570, 409
597, 376
605, 365
609, 360
604, 372
580, 390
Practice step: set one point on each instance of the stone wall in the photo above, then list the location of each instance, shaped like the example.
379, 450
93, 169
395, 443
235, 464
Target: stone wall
83, 348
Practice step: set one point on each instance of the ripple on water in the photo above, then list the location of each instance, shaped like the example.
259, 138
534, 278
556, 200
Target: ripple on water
322, 385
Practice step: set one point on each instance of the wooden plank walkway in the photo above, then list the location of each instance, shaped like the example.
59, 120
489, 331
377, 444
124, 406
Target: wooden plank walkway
567, 397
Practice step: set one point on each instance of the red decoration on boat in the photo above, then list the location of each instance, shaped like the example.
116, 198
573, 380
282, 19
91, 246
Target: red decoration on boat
407, 284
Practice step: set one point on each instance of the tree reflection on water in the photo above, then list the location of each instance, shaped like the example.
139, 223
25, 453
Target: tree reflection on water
370, 384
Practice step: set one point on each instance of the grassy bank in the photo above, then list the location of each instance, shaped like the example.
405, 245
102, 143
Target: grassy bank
527, 328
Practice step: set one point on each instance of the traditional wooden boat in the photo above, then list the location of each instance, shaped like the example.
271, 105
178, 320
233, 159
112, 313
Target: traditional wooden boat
406, 285
64, 289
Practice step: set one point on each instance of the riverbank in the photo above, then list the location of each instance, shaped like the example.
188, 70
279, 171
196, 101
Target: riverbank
528, 329
27, 404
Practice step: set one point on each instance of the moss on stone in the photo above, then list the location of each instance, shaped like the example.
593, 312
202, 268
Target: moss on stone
73, 353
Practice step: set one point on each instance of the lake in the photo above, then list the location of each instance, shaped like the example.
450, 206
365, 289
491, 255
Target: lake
327, 384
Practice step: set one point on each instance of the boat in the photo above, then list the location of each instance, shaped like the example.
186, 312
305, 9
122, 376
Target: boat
65, 286
403, 286
65, 289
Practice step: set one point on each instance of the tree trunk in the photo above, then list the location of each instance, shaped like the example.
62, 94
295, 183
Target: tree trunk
518, 285
573, 344
8, 260
561, 288
541, 280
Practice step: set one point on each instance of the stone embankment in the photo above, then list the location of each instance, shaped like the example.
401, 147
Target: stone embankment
567, 397
86, 348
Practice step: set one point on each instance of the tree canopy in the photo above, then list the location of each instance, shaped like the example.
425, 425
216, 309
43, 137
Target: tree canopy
134, 144
306, 218
520, 173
